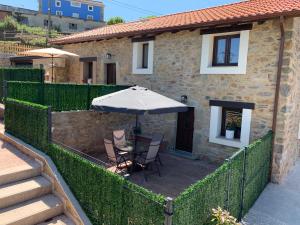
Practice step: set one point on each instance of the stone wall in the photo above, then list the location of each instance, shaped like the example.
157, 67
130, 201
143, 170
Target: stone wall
177, 72
4, 60
286, 149
85, 130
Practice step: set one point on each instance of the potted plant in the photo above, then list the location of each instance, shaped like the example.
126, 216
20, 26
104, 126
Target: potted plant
230, 129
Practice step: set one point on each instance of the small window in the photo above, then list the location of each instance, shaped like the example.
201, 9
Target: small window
145, 55
75, 4
75, 15
72, 26
59, 13
46, 23
58, 3
231, 116
91, 8
89, 17
226, 50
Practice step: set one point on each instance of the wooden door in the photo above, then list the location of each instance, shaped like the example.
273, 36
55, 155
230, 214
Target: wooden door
185, 130
111, 73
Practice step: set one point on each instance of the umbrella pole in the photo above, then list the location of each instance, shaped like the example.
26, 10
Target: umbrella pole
52, 70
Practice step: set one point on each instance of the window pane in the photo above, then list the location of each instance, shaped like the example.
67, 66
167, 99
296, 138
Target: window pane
234, 50
220, 52
145, 55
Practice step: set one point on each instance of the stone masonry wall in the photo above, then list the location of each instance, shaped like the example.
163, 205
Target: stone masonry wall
286, 149
85, 130
177, 72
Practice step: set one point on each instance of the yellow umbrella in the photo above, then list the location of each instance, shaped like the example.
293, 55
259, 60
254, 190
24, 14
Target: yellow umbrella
49, 52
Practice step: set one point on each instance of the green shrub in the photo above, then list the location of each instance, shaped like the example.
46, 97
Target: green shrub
8, 24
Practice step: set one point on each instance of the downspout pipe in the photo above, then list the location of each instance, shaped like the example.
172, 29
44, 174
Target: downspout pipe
278, 82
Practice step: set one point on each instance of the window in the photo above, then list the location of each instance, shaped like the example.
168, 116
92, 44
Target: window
91, 8
89, 17
59, 13
75, 4
75, 15
237, 116
226, 50
143, 57
224, 53
46, 23
57, 3
72, 26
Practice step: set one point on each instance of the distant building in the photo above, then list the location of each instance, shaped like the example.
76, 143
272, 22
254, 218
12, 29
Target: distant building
66, 16
81, 9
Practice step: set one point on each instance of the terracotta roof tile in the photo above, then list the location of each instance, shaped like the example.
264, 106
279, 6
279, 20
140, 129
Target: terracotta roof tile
237, 12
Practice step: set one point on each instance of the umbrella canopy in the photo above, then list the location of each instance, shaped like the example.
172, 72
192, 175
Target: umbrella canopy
48, 52
137, 100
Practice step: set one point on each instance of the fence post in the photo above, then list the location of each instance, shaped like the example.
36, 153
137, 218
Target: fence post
49, 120
168, 211
243, 184
227, 200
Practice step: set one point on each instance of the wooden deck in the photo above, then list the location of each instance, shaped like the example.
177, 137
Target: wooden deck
177, 174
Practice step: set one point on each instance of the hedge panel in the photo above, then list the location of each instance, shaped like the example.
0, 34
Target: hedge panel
27, 121
20, 74
107, 198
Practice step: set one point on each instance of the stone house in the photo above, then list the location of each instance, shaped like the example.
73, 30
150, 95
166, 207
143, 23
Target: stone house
234, 63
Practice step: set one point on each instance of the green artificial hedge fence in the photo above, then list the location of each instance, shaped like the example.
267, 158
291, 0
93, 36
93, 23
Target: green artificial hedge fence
27, 121
61, 97
20, 74
234, 186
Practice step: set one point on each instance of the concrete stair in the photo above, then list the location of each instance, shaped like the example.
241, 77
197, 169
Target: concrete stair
26, 196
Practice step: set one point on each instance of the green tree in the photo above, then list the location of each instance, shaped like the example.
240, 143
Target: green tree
115, 20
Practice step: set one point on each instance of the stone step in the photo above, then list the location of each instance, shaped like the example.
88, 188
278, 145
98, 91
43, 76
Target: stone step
60, 220
21, 191
32, 212
17, 173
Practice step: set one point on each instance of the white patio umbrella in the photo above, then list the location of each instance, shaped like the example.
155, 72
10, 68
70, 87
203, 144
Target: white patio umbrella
137, 100
49, 53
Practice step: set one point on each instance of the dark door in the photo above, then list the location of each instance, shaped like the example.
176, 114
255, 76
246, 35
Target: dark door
111, 73
185, 130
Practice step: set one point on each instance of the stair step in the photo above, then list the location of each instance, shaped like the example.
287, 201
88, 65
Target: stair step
13, 174
32, 212
21, 191
60, 220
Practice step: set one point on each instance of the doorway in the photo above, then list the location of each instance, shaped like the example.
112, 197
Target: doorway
185, 130
111, 73
88, 72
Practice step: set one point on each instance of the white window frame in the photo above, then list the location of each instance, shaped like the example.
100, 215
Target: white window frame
59, 13
58, 3
92, 8
75, 15
75, 4
90, 17
206, 66
137, 58
215, 128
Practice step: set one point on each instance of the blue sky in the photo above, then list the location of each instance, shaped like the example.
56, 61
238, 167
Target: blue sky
142, 8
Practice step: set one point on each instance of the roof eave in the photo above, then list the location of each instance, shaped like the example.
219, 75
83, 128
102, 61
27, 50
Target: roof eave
248, 19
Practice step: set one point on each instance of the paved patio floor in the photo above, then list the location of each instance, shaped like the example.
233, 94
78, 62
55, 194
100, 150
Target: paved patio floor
177, 174
278, 204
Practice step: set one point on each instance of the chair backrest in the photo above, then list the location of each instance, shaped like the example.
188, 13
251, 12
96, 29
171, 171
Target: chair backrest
157, 137
152, 152
119, 137
109, 147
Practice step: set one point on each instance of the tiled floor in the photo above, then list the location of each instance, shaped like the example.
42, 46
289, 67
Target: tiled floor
177, 174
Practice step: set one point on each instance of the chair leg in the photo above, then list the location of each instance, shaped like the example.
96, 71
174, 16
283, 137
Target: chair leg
145, 176
158, 170
159, 160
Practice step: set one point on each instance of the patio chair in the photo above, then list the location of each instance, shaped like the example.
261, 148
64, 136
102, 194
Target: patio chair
119, 138
148, 158
158, 137
116, 158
